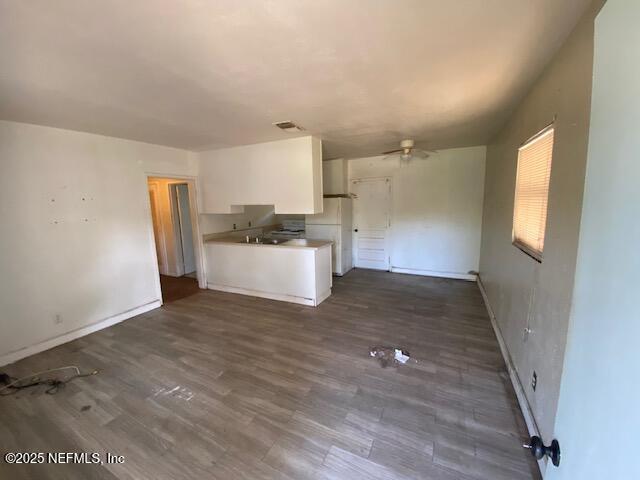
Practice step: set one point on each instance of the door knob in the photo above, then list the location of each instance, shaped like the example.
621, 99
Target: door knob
355, 229
539, 449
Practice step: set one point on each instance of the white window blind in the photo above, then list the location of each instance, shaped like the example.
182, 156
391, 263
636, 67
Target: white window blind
532, 193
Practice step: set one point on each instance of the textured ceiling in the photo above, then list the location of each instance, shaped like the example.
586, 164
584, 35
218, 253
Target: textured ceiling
360, 74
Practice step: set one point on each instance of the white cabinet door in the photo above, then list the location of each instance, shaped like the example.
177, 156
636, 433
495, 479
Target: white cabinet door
371, 222
284, 173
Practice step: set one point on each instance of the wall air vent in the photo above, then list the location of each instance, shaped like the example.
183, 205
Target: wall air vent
289, 126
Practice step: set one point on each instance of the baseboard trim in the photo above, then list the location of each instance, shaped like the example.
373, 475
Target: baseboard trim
532, 427
341, 274
433, 273
16, 355
271, 296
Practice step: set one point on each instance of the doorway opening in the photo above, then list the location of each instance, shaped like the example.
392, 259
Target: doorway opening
176, 235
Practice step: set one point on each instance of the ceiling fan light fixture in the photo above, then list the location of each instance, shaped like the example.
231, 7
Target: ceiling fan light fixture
407, 152
407, 144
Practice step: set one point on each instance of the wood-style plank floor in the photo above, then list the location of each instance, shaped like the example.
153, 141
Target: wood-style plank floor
226, 386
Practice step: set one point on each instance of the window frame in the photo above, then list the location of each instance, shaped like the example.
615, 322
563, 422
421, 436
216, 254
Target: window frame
535, 255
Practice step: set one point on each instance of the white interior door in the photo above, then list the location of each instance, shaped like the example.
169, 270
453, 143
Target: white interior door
186, 229
371, 222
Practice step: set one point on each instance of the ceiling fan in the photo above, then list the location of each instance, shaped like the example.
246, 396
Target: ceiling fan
408, 152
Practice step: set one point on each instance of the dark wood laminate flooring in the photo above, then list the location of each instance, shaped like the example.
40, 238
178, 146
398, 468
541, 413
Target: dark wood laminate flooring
226, 386
177, 288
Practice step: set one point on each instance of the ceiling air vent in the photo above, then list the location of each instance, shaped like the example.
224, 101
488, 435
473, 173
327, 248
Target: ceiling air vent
289, 126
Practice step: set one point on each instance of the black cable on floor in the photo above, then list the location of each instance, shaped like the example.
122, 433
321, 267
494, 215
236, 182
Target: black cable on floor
55, 384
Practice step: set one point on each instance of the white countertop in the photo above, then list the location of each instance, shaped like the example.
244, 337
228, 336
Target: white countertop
293, 243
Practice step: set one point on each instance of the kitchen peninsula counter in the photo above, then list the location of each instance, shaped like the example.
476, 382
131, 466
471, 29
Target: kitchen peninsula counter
297, 270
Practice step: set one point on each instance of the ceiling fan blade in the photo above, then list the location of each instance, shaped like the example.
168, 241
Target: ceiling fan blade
420, 143
420, 153
392, 151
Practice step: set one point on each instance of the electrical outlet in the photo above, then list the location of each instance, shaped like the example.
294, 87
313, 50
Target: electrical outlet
57, 320
234, 226
534, 381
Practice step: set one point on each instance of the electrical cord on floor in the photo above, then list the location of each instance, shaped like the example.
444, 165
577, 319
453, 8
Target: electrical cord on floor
55, 384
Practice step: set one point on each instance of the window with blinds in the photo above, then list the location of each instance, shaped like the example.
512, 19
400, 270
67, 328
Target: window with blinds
532, 193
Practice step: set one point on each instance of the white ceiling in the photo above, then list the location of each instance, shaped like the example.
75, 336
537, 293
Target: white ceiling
198, 74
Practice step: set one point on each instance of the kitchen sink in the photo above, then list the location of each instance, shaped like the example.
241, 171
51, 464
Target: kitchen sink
263, 241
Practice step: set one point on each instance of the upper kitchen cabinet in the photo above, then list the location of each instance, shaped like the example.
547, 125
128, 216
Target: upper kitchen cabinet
285, 173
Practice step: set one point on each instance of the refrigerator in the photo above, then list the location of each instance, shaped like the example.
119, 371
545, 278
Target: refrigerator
334, 224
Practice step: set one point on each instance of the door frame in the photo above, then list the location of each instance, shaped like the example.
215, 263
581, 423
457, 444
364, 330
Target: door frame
354, 240
194, 208
162, 250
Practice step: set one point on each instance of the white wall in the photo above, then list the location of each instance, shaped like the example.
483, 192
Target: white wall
286, 174
257, 215
436, 209
598, 420
522, 292
169, 162
80, 241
